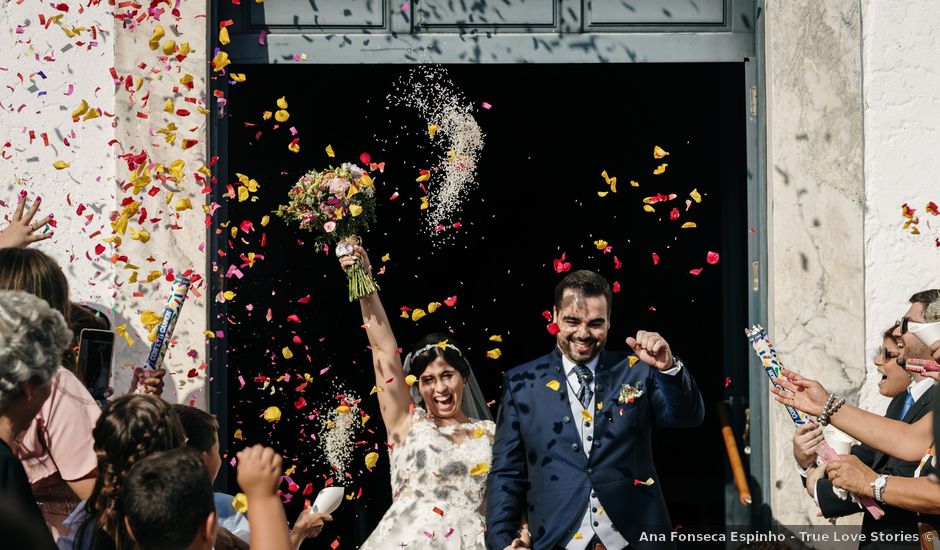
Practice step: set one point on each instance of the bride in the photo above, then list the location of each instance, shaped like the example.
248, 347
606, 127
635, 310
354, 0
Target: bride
440, 436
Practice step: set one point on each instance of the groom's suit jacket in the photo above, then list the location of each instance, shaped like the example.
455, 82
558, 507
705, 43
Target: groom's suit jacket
541, 473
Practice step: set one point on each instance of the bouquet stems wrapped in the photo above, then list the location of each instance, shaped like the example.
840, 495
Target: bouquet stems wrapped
360, 281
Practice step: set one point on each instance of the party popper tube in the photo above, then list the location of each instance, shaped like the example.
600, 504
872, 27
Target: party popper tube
771, 364
171, 314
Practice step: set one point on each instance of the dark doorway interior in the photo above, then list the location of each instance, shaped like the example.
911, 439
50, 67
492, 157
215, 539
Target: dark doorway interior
550, 132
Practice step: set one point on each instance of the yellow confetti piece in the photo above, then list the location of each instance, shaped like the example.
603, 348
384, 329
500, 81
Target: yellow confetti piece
281, 115
365, 418
411, 379
220, 61
223, 36
480, 469
150, 319
689, 225
121, 330
424, 203
80, 110
442, 344
587, 416
423, 177
238, 77
648, 208
267, 115
290, 471
329, 151
494, 353
293, 147
602, 194
240, 503
371, 460
611, 181
265, 220
432, 129
634, 183
282, 102
355, 210
365, 180
386, 257
60, 165
404, 315
478, 432
158, 33
553, 385
238, 435
375, 390
143, 235
343, 409
272, 414
659, 152
169, 47
496, 338
228, 295
92, 113
287, 353
649, 482
417, 314
183, 204
633, 360
696, 196
600, 405
660, 169
600, 244
433, 306
184, 49
578, 536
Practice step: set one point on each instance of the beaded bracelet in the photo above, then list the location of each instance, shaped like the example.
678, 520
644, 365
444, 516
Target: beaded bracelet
824, 417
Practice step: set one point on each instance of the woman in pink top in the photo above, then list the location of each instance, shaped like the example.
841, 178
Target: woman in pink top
57, 450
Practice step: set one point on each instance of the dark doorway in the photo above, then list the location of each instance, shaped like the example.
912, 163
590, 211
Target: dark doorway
550, 132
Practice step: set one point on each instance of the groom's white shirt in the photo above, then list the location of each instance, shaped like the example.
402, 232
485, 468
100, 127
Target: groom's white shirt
594, 521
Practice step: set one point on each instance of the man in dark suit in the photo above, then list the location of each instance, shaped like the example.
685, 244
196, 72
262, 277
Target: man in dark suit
572, 454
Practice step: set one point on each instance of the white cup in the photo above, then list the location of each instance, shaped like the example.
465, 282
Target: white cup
928, 333
328, 500
840, 441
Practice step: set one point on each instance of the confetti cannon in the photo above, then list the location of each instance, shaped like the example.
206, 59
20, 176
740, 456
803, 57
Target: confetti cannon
171, 314
767, 354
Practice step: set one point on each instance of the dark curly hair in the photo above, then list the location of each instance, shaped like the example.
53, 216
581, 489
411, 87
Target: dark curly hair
450, 354
130, 428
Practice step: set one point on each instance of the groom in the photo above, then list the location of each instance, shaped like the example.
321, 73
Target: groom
572, 454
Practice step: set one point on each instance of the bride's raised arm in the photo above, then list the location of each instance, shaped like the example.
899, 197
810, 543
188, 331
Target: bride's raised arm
395, 401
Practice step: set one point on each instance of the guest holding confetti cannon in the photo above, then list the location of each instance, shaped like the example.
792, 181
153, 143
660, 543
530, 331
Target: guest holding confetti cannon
894, 383
573, 442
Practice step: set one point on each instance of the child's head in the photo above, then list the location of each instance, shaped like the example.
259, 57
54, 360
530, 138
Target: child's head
130, 428
168, 502
202, 435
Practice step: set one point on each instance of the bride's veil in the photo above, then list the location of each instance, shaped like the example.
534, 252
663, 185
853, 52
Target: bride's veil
473, 405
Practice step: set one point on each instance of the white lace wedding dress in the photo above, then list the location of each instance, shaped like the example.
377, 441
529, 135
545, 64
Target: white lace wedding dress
438, 486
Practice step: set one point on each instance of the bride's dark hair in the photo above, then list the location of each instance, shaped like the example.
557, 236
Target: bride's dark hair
428, 349
130, 428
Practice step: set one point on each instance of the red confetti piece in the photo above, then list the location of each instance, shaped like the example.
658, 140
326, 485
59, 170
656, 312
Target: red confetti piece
561, 265
695, 271
192, 373
655, 258
727, 381
305, 299
617, 263
674, 214
616, 287
300, 403
712, 257
553, 329
365, 158
547, 315
99, 249
335, 544
293, 318
932, 208
451, 302
438, 511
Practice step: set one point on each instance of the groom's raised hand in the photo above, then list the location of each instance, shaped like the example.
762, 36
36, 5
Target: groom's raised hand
652, 349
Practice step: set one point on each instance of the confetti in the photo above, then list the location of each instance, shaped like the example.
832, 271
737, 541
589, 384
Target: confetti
240, 503
660, 169
659, 153
561, 265
689, 225
480, 469
553, 385
496, 338
60, 165
411, 379
494, 353
696, 271
553, 329
287, 353
371, 460
272, 414
633, 359
281, 116
712, 257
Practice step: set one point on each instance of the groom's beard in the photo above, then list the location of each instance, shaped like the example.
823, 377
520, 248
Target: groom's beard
570, 348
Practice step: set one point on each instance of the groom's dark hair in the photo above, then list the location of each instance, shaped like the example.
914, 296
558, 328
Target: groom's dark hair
586, 283
452, 352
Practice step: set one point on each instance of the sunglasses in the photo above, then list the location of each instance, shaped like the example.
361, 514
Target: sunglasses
886, 355
907, 324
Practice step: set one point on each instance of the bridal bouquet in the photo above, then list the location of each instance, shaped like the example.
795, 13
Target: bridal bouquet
335, 204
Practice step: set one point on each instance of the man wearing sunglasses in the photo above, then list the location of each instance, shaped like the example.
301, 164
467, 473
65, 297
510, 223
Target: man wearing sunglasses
920, 303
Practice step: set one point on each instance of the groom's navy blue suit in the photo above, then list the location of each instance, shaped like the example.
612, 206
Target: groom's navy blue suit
541, 473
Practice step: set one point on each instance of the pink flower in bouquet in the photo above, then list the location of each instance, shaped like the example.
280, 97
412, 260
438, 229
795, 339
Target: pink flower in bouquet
329, 227
339, 186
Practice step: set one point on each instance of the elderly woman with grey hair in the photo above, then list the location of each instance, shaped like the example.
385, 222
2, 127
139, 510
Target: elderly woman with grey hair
32, 339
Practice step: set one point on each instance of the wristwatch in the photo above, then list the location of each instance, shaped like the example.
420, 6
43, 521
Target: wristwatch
879, 487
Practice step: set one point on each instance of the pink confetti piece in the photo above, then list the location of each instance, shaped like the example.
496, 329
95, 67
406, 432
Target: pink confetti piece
261, 38
405, 7
695, 271
486, 106
712, 257
70, 89
324, 371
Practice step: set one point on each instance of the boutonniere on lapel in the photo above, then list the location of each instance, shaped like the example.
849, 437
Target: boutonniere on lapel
629, 394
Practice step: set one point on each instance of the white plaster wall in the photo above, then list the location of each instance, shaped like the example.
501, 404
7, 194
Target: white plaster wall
79, 67
27, 48
902, 140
